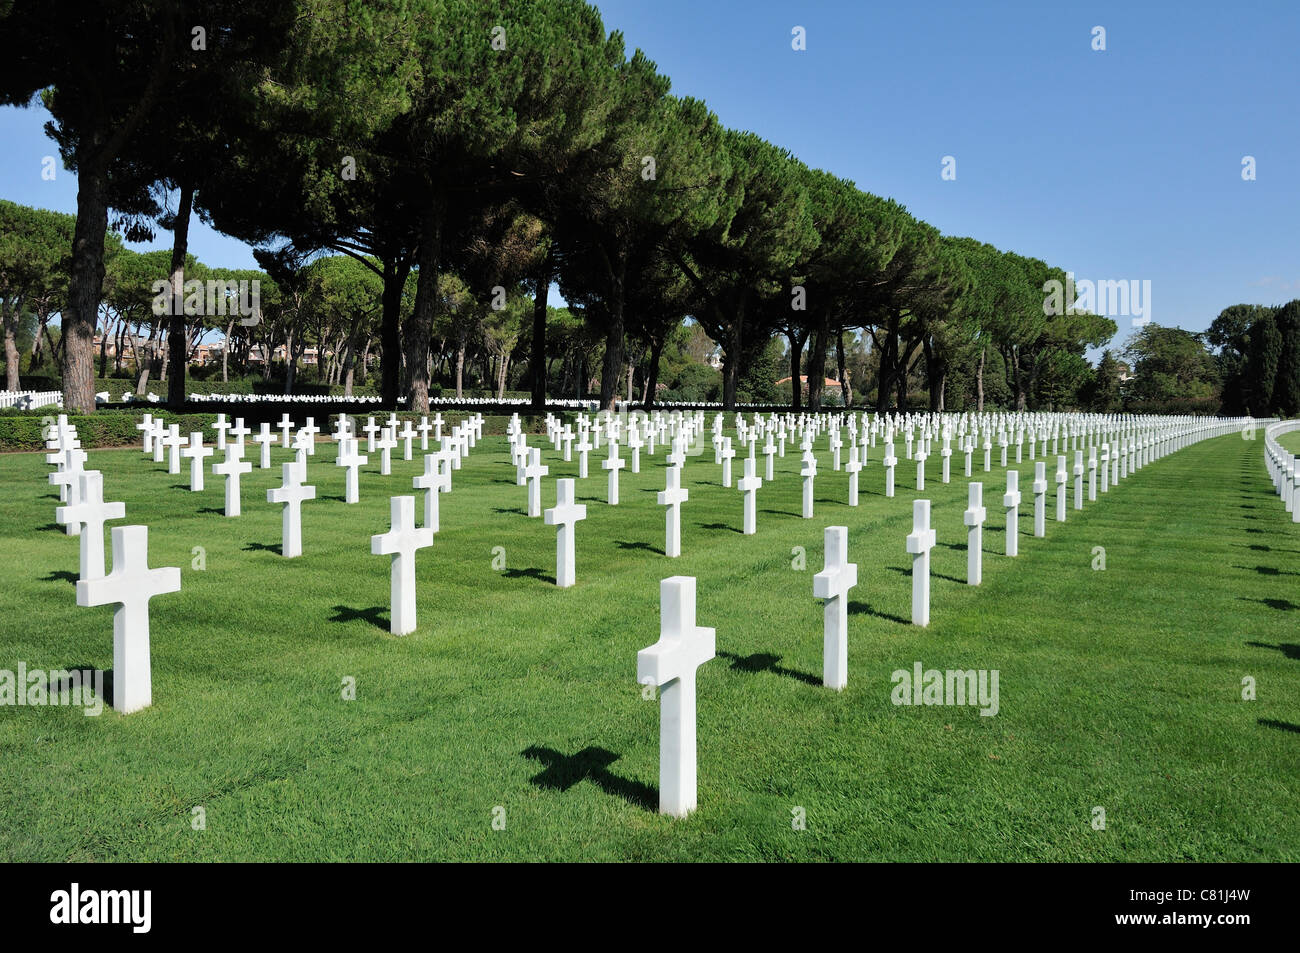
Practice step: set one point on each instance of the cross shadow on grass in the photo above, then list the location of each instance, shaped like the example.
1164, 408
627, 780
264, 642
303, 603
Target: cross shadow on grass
263, 547
766, 662
88, 680
51, 526
1290, 650
1284, 605
218, 510
933, 575
181, 486
60, 575
517, 510
531, 572
863, 608
637, 544
719, 526
1269, 571
561, 772
375, 615
1280, 725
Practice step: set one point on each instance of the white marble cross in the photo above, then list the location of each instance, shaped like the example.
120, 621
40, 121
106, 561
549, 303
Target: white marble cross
196, 453
264, 439
1040, 498
1105, 468
311, 430
285, 425
159, 436
371, 428
533, 473
833, 584
769, 451
974, 518
401, 542
1092, 474
221, 426
1078, 479
748, 485
341, 428
352, 461
919, 543
1011, 500
130, 586
408, 435
239, 432
673, 496
852, 468
727, 454
920, 458
433, 481
809, 473
70, 463
231, 468
90, 512
174, 442
613, 464
386, 443
891, 461
671, 664
424, 429
635, 443
584, 448
1061, 477
145, 426
565, 516
291, 494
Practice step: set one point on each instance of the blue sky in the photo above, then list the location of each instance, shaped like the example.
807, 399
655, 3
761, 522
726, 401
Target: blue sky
1123, 164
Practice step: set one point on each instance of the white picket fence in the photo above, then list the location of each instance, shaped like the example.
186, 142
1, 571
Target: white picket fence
30, 399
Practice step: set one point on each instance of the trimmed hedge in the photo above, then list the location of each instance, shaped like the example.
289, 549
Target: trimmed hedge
20, 431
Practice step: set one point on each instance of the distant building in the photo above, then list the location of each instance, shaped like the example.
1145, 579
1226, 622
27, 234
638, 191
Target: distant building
803, 379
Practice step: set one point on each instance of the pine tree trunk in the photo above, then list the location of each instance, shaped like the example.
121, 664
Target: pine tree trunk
420, 325
538, 366
176, 337
84, 285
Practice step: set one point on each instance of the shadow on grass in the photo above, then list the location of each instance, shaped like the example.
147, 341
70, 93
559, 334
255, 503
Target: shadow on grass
1289, 649
1283, 605
1280, 725
629, 544
517, 510
51, 526
933, 575
532, 573
863, 608
719, 526
87, 674
1269, 571
263, 547
766, 662
218, 510
590, 764
60, 575
375, 615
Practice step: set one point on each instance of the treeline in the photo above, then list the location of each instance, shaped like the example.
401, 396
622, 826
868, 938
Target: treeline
489, 148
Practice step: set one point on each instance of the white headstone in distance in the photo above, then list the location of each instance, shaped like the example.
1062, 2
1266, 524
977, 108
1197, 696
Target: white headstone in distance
352, 461
433, 481
196, 453
809, 473
231, 468
749, 485
533, 473
1040, 498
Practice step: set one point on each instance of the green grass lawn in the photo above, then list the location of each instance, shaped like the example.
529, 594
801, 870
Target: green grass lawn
1119, 689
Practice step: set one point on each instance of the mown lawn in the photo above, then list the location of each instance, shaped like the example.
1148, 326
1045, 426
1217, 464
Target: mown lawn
1119, 689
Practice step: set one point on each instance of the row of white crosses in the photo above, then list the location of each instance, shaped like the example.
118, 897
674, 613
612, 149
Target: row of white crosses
130, 585
1283, 466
